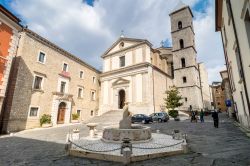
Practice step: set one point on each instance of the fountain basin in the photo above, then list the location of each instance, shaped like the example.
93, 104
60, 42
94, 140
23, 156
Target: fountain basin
136, 133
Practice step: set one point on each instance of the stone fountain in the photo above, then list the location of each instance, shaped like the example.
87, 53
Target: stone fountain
127, 143
134, 133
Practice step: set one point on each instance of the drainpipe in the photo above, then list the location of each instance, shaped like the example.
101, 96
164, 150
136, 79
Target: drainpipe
237, 41
153, 88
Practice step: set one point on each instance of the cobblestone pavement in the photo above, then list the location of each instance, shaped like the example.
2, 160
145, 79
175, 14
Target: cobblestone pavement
208, 146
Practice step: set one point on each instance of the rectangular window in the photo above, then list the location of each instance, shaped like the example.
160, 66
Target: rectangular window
41, 57
62, 87
122, 61
78, 112
184, 79
92, 95
243, 102
231, 78
81, 74
183, 62
238, 62
247, 25
225, 35
65, 67
38, 82
94, 80
33, 112
229, 12
80, 90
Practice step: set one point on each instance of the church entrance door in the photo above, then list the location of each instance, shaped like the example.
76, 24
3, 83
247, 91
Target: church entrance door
61, 113
121, 99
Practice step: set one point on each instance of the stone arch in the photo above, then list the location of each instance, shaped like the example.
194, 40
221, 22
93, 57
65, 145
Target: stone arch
121, 98
179, 25
61, 113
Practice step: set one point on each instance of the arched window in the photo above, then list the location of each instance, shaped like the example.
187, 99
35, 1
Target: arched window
181, 43
179, 25
184, 79
183, 62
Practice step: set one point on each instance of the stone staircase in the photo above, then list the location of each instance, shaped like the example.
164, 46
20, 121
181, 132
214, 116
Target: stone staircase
109, 118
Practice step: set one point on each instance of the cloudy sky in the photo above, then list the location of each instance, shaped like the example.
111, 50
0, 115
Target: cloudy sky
86, 28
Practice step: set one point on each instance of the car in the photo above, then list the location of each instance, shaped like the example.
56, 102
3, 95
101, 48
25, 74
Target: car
141, 118
160, 116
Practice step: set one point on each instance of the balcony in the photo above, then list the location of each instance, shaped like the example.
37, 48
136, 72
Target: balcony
65, 74
63, 96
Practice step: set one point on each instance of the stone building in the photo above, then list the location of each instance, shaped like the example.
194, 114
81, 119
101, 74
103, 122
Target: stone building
218, 96
48, 80
228, 94
45, 79
9, 27
205, 88
233, 21
135, 72
186, 70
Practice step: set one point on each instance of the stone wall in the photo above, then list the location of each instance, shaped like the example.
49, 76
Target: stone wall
27, 67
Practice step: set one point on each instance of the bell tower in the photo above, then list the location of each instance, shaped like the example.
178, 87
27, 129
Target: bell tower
186, 70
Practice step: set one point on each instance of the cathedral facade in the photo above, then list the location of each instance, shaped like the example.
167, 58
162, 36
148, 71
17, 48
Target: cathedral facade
134, 72
137, 73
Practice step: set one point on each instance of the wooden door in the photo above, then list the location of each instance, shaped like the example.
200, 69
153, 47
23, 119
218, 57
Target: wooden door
61, 115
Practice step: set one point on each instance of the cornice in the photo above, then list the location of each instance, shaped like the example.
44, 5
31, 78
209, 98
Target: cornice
188, 67
185, 48
44, 41
133, 67
183, 29
125, 49
189, 86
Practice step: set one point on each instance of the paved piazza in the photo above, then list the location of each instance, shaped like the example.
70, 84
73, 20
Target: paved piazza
226, 145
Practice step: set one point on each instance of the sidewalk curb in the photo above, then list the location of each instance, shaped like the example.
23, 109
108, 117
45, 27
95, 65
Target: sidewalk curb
39, 129
243, 129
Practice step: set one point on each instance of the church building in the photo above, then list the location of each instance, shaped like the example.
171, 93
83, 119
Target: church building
137, 73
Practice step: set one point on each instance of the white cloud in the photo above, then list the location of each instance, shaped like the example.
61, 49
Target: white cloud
88, 31
208, 43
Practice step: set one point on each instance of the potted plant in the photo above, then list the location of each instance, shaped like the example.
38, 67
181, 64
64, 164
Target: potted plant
173, 101
45, 121
75, 118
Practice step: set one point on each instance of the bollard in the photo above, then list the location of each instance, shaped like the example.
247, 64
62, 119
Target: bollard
126, 155
75, 135
177, 135
92, 127
126, 144
184, 147
68, 146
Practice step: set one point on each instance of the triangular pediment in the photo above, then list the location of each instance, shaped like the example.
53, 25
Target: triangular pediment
123, 43
120, 81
